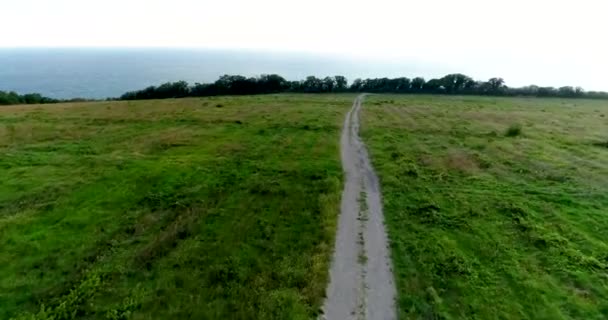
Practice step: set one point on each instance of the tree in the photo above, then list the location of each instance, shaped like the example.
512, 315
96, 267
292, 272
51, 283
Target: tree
546, 92
312, 84
417, 84
402, 85
203, 90
531, 90
272, 83
329, 83
567, 92
178, 89
8, 98
341, 83
454, 83
296, 86
357, 85
434, 86
470, 86
496, 84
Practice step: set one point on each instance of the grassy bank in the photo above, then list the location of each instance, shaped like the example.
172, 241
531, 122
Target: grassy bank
495, 207
190, 208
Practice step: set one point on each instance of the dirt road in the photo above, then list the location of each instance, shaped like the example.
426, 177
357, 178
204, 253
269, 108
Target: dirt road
361, 280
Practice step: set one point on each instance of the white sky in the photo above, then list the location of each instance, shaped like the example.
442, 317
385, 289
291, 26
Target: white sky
547, 42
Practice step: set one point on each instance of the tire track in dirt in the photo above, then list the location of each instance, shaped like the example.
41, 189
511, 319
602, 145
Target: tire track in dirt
361, 280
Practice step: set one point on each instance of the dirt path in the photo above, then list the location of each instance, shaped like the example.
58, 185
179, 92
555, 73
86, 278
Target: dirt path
361, 280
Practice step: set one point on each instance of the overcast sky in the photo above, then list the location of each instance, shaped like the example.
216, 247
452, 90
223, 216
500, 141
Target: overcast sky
547, 42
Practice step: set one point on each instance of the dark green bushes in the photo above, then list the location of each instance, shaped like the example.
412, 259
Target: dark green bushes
513, 131
8, 98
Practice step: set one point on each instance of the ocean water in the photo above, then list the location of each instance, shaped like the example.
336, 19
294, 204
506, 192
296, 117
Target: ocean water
102, 73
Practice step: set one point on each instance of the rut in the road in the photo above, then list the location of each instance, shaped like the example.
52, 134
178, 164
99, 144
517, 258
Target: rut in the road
361, 281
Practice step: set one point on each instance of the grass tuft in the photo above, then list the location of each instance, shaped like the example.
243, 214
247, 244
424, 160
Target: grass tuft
514, 130
603, 144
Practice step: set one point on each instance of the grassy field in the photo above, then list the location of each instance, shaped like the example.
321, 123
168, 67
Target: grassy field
226, 207
496, 207
209, 208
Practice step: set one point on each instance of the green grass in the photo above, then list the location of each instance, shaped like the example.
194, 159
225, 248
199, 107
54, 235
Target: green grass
488, 225
169, 209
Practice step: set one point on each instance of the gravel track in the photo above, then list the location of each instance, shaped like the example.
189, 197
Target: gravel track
361, 281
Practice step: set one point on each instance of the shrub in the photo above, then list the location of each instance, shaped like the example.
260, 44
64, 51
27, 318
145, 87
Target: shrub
513, 131
603, 144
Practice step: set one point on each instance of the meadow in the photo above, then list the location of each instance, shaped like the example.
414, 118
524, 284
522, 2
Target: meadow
205, 208
495, 207
226, 207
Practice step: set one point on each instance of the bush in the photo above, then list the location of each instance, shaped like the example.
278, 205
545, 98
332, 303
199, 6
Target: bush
513, 131
603, 144
8, 98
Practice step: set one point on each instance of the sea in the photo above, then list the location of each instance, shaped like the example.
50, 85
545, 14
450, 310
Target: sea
66, 73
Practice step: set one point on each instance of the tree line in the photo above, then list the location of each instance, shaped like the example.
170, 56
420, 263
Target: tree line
240, 85
455, 84
8, 98
461, 84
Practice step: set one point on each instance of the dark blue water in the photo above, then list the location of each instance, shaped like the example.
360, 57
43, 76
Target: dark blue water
102, 73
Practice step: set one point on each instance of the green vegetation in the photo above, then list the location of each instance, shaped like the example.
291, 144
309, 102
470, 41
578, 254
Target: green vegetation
240, 85
169, 209
513, 130
452, 84
485, 226
226, 207
9, 98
